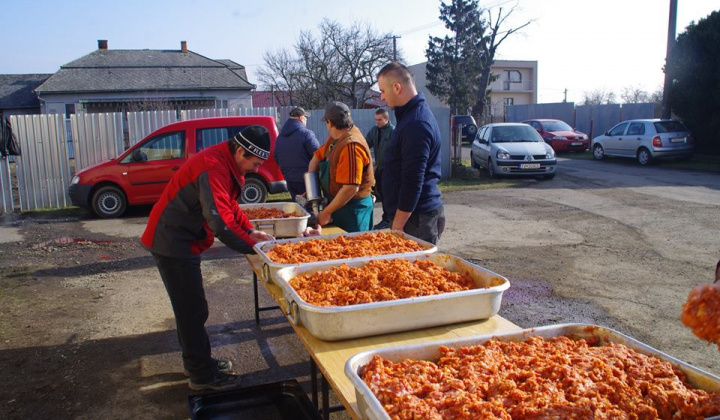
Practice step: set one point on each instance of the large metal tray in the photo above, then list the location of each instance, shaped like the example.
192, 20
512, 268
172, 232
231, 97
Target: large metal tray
343, 322
370, 408
270, 267
287, 227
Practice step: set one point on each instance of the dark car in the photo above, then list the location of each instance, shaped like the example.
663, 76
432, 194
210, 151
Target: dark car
560, 135
469, 127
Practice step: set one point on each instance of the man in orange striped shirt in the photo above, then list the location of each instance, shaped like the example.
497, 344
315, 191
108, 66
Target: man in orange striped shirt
346, 172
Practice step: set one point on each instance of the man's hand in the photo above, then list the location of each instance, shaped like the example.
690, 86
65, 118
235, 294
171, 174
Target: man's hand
312, 232
260, 236
323, 218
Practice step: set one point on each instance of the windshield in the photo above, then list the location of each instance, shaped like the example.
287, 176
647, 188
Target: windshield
515, 133
556, 126
669, 126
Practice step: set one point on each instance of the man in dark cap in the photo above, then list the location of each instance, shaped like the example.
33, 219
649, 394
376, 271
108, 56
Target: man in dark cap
294, 148
200, 202
346, 172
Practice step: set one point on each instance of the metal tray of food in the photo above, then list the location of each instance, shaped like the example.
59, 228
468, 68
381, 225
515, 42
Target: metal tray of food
370, 408
343, 322
284, 400
270, 267
286, 227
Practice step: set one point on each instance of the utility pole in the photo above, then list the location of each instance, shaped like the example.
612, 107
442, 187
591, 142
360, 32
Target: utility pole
565, 100
394, 38
670, 42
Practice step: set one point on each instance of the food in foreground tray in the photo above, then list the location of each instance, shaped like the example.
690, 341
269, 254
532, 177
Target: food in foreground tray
260, 213
701, 312
555, 378
342, 247
378, 281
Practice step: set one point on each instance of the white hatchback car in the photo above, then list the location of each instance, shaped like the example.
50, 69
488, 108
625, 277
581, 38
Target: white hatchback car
644, 140
512, 149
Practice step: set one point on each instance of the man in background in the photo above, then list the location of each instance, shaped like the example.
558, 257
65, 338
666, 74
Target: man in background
412, 166
294, 148
377, 138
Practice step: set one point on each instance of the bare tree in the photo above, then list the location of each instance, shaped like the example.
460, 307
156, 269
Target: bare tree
600, 96
339, 64
496, 34
633, 95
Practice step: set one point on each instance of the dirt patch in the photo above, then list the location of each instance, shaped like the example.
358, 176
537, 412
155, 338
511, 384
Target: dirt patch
87, 329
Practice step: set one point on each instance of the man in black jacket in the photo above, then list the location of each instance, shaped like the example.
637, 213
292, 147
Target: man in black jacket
377, 138
412, 158
294, 148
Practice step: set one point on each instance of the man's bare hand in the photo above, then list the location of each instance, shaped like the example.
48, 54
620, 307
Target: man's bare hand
260, 236
312, 232
323, 218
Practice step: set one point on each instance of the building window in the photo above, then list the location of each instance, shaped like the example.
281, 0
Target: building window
69, 110
512, 80
508, 101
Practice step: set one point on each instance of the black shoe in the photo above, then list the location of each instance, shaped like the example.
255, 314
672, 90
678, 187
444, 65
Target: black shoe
221, 382
384, 224
224, 366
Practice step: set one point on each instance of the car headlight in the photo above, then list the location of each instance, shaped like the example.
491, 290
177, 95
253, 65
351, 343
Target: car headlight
559, 138
584, 138
75, 180
549, 153
501, 154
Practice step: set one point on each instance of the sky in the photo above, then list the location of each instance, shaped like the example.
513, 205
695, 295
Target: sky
580, 45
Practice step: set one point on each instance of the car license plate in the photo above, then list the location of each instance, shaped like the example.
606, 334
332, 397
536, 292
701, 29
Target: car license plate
576, 143
677, 140
529, 166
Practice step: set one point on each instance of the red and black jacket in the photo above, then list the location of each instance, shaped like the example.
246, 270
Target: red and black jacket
200, 202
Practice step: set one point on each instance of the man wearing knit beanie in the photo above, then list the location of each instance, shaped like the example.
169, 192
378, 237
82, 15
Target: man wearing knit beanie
198, 204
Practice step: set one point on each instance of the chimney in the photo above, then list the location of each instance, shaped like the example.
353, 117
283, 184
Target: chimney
183, 46
102, 44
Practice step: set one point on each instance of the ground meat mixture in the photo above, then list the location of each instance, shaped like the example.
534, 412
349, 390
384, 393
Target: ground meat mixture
378, 281
342, 247
701, 313
555, 378
260, 213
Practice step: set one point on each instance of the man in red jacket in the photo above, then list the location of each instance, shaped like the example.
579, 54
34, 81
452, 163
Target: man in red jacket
200, 202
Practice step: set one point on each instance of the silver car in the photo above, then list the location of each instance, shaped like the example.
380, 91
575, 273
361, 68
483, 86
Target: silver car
644, 140
512, 149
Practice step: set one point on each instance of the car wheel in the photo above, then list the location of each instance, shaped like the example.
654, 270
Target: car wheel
109, 202
598, 152
254, 192
643, 156
471, 130
491, 170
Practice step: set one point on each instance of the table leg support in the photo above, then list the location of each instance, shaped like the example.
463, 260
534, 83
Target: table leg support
256, 300
313, 383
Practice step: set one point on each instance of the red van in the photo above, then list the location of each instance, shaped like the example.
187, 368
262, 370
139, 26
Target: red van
139, 175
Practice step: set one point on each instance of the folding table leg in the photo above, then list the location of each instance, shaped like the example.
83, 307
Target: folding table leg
258, 308
313, 383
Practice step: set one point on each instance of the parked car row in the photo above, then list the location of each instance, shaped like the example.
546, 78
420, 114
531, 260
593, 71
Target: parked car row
528, 148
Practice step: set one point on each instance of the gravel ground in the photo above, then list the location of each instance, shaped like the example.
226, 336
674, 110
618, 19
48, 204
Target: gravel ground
87, 329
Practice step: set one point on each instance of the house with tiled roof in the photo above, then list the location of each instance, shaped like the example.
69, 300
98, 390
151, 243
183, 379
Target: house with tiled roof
109, 80
17, 96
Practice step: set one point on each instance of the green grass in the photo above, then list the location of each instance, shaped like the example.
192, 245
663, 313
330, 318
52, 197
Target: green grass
272, 198
704, 163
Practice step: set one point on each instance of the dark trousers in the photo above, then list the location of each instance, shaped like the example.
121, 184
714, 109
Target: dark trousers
427, 226
183, 282
295, 188
379, 194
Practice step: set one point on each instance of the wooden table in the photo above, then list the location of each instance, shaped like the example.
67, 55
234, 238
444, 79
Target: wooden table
331, 356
